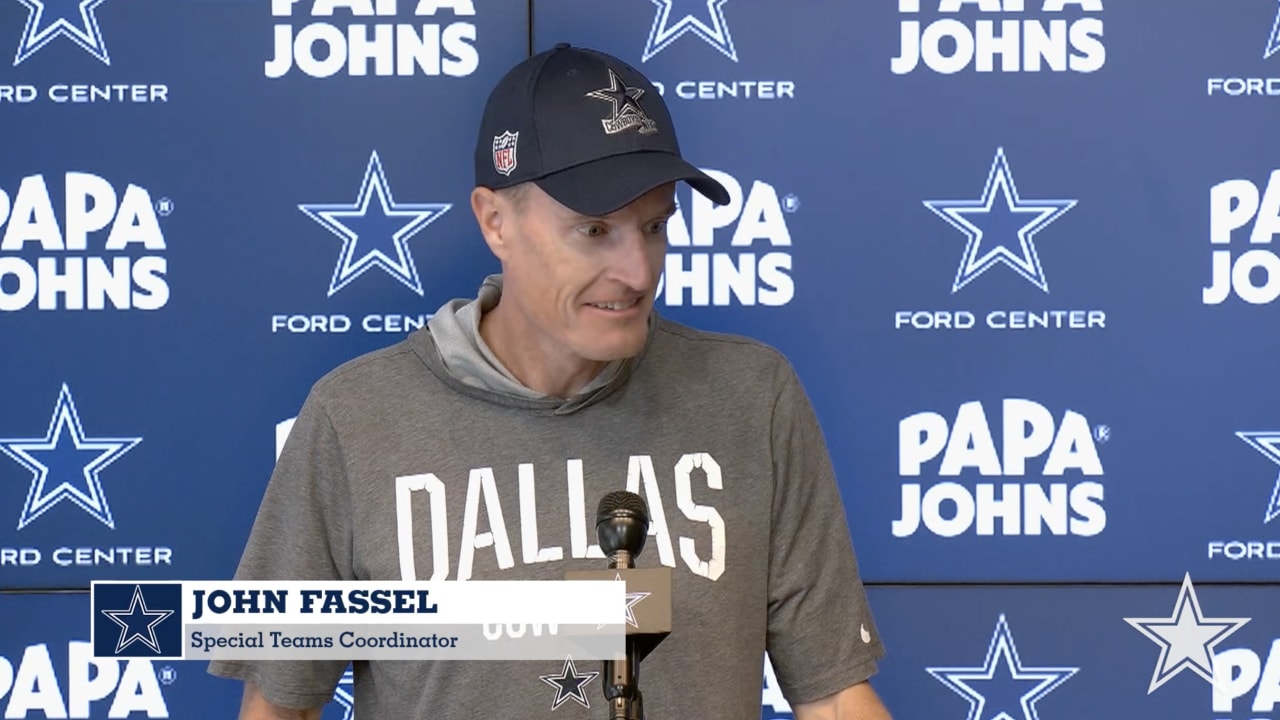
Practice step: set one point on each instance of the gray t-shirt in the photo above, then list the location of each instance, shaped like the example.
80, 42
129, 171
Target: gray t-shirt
715, 431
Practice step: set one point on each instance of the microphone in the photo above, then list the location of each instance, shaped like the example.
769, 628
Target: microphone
622, 525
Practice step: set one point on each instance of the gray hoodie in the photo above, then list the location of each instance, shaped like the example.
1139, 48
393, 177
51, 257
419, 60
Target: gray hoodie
425, 461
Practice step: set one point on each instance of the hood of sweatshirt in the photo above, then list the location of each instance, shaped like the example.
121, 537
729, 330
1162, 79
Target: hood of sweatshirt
452, 347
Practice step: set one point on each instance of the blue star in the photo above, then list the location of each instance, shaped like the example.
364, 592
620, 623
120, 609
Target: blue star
568, 685
375, 235
66, 457
1267, 443
663, 32
137, 616
1008, 703
1186, 638
343, 696
75, 19
1273, 43
1000, 223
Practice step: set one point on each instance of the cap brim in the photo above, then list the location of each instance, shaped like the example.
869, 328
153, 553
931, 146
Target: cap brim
600, 187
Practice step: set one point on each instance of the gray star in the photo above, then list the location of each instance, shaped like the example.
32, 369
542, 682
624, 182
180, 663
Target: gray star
1186, 638
627, 112
620, 95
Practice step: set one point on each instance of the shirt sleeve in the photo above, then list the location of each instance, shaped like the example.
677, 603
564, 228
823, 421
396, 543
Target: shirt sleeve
821, 634
302, 531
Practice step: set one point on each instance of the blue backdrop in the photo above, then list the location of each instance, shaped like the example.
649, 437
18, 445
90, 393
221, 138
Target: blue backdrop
1020, 252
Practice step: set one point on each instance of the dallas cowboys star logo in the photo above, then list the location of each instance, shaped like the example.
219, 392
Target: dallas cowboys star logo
69, 461
632, 599
664, 31
137, 624
627, 112
1013, 695
344, 697
375, 234
1273, 43
569, 685
1010, 219
1267, 443
49, 19
1186, 639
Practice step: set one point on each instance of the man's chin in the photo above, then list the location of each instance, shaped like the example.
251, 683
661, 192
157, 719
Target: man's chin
617, 349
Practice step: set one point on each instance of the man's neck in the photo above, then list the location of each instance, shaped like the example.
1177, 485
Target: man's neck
527, 356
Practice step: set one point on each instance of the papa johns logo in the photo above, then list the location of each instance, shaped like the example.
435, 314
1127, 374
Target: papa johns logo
1017, 506
1010, 44
697, 274
1253, 275
107, 250
35, 690
374, 40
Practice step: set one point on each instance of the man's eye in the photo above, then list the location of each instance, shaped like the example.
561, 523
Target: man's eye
593, 230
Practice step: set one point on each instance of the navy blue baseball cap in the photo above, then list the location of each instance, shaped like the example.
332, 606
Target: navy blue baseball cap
587, 128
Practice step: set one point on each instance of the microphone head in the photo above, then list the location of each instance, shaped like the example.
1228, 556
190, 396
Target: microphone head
622, 523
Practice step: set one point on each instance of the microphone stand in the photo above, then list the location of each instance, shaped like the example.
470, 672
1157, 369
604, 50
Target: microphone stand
622, 678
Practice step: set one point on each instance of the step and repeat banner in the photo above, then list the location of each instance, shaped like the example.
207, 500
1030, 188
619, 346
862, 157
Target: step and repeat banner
1019, 251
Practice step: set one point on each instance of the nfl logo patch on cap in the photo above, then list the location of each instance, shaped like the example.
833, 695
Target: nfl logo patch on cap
504, 152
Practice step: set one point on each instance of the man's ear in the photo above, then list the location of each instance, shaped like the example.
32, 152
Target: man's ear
491, 211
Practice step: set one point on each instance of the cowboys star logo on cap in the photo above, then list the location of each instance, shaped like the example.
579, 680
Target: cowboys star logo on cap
504, 152
627, 112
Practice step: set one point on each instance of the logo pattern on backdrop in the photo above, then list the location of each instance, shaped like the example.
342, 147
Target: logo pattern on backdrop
1273, 42
51, 19
1267, 443
375, 234
704, 18
66, 464
1002, 688
997, 221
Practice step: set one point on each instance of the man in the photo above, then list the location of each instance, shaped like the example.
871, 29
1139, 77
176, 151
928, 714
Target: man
475, 448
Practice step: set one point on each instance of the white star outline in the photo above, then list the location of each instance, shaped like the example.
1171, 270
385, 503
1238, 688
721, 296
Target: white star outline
344, 695
663, 33
1002, 645
39, 499
632, 599
1192, 642
402, 267
87, 36
150, 639
578, 695
1267, 443
1000, 178
1273, 42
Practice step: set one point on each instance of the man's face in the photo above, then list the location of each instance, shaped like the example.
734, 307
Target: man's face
586, 285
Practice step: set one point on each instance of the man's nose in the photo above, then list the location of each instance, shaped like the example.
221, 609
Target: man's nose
634, 262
